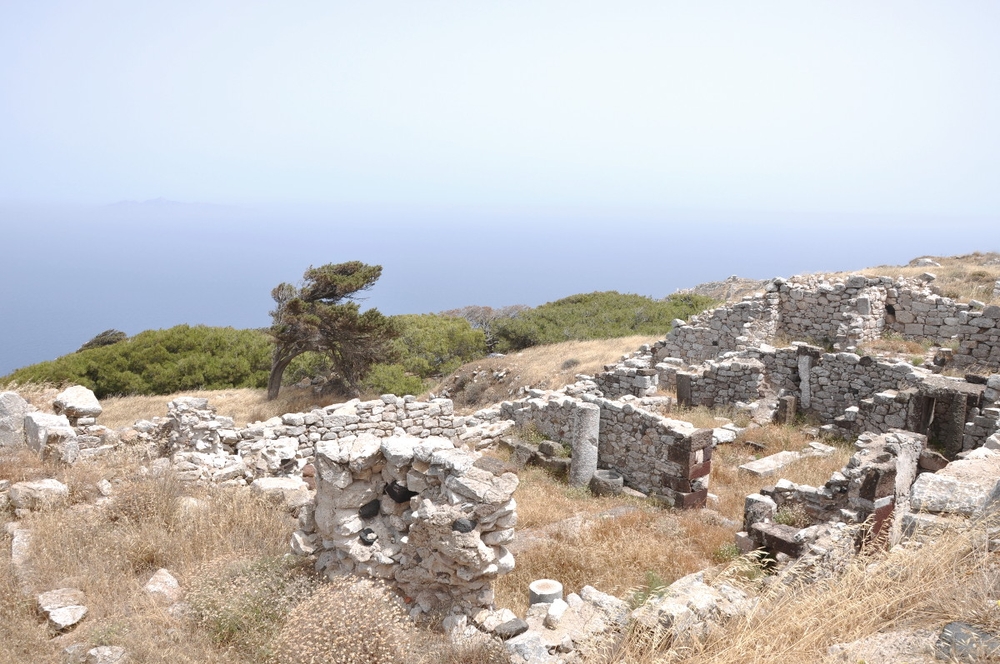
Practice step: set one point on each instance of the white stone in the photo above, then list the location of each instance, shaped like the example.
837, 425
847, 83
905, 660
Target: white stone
64, 607
40, 494
76, 402
164, 588
43, 429
107, 655
770, 465
12, 412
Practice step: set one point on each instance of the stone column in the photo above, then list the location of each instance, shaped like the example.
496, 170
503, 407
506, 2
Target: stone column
805, 389
586, 425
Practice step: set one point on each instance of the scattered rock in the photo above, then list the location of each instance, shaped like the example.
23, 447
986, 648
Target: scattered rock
38, 495
64, 607
164, 588
76, 402
13, 409
107, 655
962, 642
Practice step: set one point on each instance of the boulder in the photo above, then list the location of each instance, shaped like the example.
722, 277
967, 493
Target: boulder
51, 435
292, 492
40, 494
164, 588
961, 642
13, 409
76, 402
64, 607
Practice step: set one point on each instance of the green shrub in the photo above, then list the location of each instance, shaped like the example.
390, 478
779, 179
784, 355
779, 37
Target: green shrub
602, 315
392, 379
435, 344
162, 362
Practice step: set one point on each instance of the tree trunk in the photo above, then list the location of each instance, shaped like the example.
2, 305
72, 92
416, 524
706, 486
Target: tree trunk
274, 379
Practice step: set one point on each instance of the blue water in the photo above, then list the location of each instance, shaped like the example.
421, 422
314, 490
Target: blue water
68, 274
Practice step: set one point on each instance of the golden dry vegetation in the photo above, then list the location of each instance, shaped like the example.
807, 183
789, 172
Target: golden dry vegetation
627, 546
967, 277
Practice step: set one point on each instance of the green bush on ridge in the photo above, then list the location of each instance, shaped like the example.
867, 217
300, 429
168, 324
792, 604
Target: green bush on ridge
600, 315
180, 358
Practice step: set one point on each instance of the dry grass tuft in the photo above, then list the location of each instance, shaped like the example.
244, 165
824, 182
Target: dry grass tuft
109, 551
243, 604
348, 621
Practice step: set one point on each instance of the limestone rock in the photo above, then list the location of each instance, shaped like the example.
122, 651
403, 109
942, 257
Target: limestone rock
770, 465
292, 492
43, 431
961, 642
690, 608
37, 495
76, 402
13, 409
64, 607
107, 655
164, 588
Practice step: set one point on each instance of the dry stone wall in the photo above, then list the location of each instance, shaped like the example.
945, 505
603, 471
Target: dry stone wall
670, 459
418, 511
842, 313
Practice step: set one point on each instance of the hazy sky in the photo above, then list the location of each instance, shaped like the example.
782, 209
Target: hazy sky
805, 106
482, 152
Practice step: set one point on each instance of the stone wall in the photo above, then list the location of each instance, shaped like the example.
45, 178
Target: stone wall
979, 339
728, 328
418, 511
666, 458
670, 459
722, 382
872, 489
841, 314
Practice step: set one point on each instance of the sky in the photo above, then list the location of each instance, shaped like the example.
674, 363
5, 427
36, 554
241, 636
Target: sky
483, 153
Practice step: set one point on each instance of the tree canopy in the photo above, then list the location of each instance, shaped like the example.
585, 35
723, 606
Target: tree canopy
322, 316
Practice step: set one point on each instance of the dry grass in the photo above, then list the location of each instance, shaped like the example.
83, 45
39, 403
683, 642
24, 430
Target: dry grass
243, 405
545, 367
110, 552
953, 578
623, 545
968, 277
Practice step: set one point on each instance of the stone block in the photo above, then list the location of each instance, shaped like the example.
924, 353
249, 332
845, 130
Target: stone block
770, 465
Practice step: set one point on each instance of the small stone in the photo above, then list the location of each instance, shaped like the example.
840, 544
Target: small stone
463, 525
164, 588
555, 613
510, 629
107, 655
367, 536
370, 509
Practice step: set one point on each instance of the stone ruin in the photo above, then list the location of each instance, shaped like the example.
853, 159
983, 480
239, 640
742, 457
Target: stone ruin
395, 488
72, 433
419, 511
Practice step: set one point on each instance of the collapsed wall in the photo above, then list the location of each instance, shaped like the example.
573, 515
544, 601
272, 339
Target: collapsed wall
431, 517
841, 314
666, 458
872, 489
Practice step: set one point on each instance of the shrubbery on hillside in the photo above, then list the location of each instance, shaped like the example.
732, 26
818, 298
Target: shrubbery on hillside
430, 345
601, 315
162, 362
